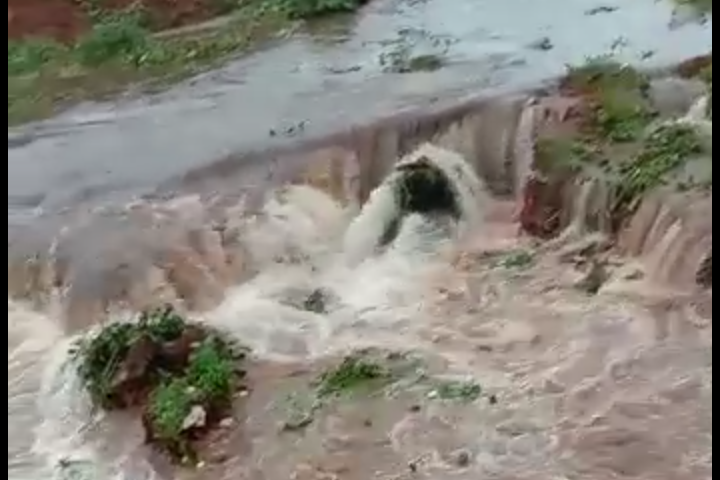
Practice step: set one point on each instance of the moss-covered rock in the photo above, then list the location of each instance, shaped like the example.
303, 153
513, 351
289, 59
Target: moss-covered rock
182, 376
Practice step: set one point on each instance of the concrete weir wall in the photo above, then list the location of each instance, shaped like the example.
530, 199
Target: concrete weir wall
102, 256
189, 240
354, 161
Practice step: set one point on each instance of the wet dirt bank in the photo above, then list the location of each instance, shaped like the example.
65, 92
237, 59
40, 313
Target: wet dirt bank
66, 20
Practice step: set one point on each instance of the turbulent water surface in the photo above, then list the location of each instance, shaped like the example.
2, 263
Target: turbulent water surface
616, 385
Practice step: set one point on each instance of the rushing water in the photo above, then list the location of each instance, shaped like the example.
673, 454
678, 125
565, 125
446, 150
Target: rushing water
606, 363
48, 417
612, 386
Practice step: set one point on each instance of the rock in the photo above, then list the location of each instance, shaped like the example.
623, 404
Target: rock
595, 278
601, 9
131, 382
704, 274
136, 374
545, 44
462, 459
316, 302
197, 418
174, 355
541, 206
583, 249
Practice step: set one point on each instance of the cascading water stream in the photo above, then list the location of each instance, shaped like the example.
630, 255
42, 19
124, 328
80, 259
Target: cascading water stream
602, 379
48, 415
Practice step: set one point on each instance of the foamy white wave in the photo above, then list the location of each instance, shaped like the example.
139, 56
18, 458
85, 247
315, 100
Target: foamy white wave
49, 414
297, 221
378, 214
370, 302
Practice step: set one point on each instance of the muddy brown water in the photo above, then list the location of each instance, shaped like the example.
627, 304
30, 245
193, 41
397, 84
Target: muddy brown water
616, 385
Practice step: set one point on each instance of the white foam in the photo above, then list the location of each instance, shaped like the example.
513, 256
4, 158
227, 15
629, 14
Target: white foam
370, 302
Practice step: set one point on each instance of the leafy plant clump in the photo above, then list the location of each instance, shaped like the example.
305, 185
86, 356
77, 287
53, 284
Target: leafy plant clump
101, 357
665, 150
458, 391
121, 49
563, 154
183, 376
309, 9
618, 97
354, 373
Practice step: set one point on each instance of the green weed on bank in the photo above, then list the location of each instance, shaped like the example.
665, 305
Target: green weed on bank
120, 50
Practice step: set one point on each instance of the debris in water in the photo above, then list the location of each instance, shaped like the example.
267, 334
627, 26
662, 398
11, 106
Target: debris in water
301, 423
517, 259
601, 9
462, 391
316, 302
424, 188
704, 274
353, 374
595, 278
579, 252
462, 459
70, 469
544, 44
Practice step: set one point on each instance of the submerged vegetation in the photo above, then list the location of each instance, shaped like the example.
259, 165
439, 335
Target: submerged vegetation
307, 9
617, 96
183, 376
353, 374
372, 373
121, 49
618, 135
663, 152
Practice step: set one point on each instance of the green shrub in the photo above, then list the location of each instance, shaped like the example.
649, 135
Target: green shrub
117, 38
307, 9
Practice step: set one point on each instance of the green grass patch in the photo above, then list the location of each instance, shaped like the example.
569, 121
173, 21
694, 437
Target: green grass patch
45, 76
354, 374
518, 259
620, 107
466, 391
564, 154
664, 151
100, 357
312, 9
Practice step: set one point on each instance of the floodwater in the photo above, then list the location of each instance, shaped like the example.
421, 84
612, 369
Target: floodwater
610, 386
312, 86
